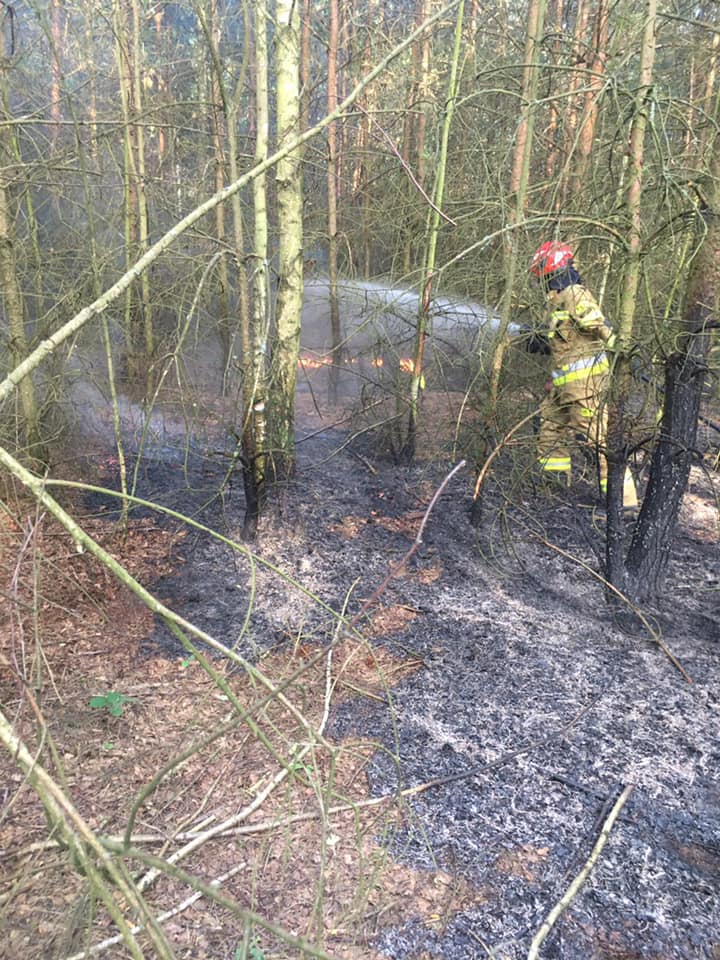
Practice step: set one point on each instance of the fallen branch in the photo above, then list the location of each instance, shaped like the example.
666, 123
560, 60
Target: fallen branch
618, 593
397, 568
580, 879
498, 448
161, 918
255, 804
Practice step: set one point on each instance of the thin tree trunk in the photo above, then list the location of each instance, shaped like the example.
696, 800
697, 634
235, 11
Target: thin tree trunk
290, 228
92, 83
55, 74
158, 17
143, 217
332, 197
690, 121
92, 242
255, 343
138, 311
553, 150
622, 375
218, 120
592, 95
226, 112
361, 173
519, 179
652, 543
305, 55
414, 129
12, 296
577, 77
707, 134
407, 454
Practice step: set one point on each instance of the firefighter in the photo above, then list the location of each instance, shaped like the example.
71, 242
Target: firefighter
578, 338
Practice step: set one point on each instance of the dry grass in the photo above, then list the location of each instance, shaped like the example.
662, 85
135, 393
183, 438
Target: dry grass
320, 875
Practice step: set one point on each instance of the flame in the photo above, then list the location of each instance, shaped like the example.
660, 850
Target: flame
308, 362
313, 363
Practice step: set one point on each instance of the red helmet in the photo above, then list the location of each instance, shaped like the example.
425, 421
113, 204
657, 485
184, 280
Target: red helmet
549, 258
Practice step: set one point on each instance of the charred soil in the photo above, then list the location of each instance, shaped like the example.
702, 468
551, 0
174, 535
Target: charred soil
478, 719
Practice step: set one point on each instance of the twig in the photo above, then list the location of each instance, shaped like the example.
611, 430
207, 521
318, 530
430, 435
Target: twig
417, 542
247, 811
406, 167
275, 823
161, 918
498, 448
580, 879
364, 461
635, 609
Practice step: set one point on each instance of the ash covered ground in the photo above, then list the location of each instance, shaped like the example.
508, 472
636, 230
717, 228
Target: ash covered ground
536, 700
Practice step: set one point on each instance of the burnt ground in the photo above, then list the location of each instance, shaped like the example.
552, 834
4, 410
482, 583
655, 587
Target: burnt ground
533, 699
544, 700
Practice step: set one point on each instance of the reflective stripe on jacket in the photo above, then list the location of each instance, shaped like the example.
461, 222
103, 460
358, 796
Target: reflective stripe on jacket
576, 328
580, 369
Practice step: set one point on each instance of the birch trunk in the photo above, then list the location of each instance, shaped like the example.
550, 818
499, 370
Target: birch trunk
288, 180
255, 343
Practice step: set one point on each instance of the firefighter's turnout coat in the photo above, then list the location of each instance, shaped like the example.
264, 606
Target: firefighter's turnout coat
575, 404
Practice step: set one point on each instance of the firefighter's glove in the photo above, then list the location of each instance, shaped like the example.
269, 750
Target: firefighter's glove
534, 341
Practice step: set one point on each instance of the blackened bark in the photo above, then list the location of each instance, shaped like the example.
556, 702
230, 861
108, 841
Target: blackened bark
652, 542
617, 458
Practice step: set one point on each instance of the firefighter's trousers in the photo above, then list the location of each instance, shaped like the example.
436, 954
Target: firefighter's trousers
577, 409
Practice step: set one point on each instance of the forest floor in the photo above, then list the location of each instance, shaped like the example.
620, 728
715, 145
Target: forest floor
479, 719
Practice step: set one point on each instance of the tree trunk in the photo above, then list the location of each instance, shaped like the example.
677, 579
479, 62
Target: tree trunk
163, 78
592, 95
305, 64
290, 228
519, 178
10, 288
143, 217
138, 310
55, 74
622, 374
361, 194
217, 122
255, 345
652, 542
576, 78
553, 128
708, 104
332, 196
407, 453
414, 125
